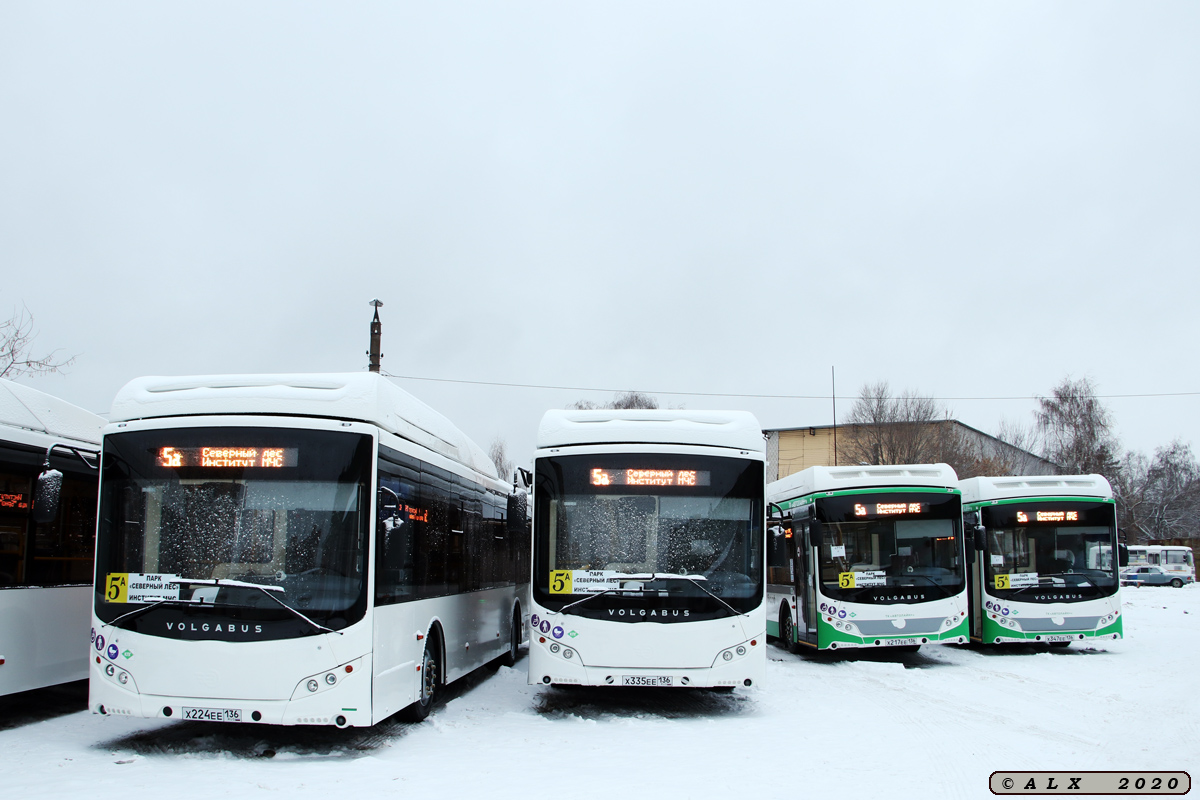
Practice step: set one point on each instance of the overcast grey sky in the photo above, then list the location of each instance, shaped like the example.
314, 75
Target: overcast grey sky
969, 199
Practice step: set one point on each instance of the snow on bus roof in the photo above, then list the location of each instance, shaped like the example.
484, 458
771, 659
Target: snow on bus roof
44, 415
362, 396
977, 489
737, 430
830, 479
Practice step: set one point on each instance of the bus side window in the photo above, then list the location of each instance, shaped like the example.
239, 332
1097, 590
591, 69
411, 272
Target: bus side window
396, 530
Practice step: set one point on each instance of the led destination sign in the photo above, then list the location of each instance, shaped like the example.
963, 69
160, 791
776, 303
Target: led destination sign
650, 477
228, 456
1049, 516
889, 509
14, 500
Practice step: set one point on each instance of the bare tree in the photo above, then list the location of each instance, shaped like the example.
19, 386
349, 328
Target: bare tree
1013, 453
908, 428
1077, 430
623, 400
1159, 498
498, 452
16, 340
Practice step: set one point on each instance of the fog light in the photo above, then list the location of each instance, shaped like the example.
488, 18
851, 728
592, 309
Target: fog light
331, 679
545, 679
728, 656
341, 721
313, 685
166, 711
256, 716
747, 682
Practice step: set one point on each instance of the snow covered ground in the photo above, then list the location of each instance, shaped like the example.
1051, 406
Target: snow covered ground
933, 724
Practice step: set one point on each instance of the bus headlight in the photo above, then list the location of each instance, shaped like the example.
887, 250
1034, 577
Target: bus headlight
313, 685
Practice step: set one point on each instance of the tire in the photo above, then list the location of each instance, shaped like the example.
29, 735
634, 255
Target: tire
514, 641
1177, 583
787, 633
431, 674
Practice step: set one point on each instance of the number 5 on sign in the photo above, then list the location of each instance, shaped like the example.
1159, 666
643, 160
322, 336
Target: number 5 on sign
560, 581
846, 580
116, 588
1002, 582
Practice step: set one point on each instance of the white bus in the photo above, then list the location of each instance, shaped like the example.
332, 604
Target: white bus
866, 557
46, 565
296, 550
1043, 570
648, 549
1176, 560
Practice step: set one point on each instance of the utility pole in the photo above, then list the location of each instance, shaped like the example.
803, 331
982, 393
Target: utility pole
376, 335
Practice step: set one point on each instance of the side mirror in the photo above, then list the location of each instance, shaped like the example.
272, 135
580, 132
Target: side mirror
524, 476
774, 511
46, 496
518, 513
816, 533
1122, 555
980, 538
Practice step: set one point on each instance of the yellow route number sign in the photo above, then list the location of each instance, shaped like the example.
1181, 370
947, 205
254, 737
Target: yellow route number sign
560, 581
846, 580
1002, 582
116, 587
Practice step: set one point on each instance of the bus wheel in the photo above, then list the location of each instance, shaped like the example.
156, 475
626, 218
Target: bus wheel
430, 675
787, 635
514, 641
1177, 583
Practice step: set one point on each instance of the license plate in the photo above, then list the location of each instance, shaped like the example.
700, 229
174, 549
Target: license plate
901, 642
1058, 638
646, 680
213, 714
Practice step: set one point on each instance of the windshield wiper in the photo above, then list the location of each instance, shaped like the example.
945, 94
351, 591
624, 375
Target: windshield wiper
670, 576
156, 604
265, 588
654, 576
587, 599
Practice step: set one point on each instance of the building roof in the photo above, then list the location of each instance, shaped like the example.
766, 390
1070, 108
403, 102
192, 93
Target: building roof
361, 396
737, 430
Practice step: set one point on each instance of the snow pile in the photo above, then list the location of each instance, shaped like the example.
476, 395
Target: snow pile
933, 724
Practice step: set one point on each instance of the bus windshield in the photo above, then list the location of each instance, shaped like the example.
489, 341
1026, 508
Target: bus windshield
1035, 548
900, 546
684, 532
247, 523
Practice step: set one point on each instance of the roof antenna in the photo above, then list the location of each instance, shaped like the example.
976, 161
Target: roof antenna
376, 334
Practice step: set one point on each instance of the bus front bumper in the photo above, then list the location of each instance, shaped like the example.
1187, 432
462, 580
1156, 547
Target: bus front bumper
344, 702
